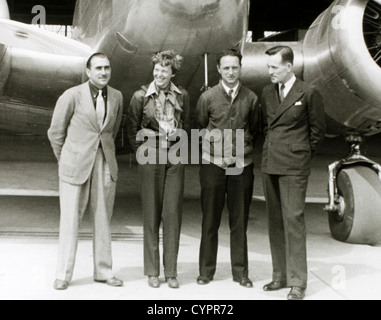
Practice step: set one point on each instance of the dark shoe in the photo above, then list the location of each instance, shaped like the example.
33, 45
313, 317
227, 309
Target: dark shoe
275, 286
113, 282
154, 282
296, 293
244, 282
61, 285
173, 283
203, 281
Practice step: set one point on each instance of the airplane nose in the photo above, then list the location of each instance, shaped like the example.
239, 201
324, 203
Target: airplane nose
190, 8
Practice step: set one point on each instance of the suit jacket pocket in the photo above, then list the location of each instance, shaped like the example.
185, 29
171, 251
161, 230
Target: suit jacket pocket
299, 110
301, 155
68, 163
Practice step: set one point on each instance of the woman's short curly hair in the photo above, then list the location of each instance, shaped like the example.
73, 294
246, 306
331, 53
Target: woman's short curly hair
168, 58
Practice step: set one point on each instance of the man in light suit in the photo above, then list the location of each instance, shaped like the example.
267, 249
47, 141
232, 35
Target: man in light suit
85, 123
294, 125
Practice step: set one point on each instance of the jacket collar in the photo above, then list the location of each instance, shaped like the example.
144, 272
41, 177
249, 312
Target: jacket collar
152, 90
89, 105
222, 87
294, 95
95, 91
172, 94
288, 85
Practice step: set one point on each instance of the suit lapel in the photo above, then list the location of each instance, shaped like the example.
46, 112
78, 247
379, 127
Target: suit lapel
88, 104
293, 96
274, 99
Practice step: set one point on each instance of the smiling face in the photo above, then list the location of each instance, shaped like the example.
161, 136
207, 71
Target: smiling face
162, 76
100, 72
230, 70
280, 72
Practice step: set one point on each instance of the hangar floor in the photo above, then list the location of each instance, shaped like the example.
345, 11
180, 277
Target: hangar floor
29, 219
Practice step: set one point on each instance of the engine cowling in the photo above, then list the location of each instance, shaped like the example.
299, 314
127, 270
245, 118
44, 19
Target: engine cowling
4, 59
4, 10
342, 57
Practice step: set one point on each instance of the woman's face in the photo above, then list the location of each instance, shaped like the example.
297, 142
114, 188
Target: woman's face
162, 76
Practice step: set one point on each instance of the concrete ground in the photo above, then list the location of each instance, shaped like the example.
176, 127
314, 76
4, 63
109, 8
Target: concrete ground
29, 220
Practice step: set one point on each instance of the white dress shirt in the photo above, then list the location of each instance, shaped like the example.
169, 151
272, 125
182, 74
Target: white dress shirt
235, 90
288, 86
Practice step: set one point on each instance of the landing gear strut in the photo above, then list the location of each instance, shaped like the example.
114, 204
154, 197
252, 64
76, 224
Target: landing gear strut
355, 197
206, 87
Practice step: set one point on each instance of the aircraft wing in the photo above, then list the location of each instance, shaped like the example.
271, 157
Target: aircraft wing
37, 66
22, 36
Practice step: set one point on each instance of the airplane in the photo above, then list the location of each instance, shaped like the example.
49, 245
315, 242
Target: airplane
340, 55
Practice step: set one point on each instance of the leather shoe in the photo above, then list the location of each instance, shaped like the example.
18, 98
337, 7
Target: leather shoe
173, 283
275, 286
244, 282
154, 282
203, 281
61, 285
296, 293
113, 282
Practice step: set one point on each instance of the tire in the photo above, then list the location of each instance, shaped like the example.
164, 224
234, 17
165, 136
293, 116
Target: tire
360, 220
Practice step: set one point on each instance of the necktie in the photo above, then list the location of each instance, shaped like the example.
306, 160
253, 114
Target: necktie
231, 95
101, 109
281, 94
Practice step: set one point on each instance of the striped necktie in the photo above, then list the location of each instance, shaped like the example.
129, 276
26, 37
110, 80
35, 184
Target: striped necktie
101, 109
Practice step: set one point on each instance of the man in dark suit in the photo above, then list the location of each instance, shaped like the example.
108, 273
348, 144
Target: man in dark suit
294, 126
85, 123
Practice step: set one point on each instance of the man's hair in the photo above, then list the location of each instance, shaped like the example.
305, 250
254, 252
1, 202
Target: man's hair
95, 55
168, 58
286, 52
233, 52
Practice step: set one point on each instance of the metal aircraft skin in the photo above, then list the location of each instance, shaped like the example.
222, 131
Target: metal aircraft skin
37, 66
340, 55
36, 69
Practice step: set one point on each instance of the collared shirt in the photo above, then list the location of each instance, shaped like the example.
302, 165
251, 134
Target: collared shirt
235, 89
288, 86
166, 105
94, 94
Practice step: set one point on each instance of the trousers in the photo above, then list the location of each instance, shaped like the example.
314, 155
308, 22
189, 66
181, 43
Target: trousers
216, 187
162, 191
286, 198
97, 196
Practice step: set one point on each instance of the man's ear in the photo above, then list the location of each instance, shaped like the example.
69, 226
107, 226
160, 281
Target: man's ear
219, 69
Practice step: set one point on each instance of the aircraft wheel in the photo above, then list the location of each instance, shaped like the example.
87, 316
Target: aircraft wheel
359, 219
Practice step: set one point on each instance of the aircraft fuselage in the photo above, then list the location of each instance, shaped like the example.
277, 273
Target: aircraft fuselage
129, 32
